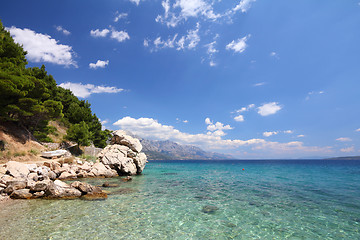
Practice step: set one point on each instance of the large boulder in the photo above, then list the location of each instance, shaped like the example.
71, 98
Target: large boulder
59, 189
17, 169
100, 170
124, 155
120, 137
21, 194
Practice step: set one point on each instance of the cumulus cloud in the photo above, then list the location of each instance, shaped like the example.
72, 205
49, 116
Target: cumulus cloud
152, 129
269, 108
120, 36
43, 48
268, 134
289, 131
344, 139
119, 16
239, 118
189, 41
62, 30
216, 129
349, 149
300, 135
85, 90
357, 130
238, 45
99, 33
99, 64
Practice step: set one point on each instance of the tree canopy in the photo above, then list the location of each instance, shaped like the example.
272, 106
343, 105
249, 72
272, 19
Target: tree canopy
31, 98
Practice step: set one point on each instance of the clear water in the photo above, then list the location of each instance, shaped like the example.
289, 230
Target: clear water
205, 200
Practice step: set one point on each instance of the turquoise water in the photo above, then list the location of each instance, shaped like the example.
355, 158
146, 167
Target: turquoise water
205, 200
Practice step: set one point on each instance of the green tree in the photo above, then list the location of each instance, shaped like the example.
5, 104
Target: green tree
79, 133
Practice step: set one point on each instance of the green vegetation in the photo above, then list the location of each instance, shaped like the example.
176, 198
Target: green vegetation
31, 98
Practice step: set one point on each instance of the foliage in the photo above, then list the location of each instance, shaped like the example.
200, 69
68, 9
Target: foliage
79, 133
31, 98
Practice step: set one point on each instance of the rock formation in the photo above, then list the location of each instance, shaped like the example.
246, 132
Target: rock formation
124, 154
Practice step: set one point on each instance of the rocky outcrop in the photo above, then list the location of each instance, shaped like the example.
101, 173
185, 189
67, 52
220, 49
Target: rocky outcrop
124, 154
28, 181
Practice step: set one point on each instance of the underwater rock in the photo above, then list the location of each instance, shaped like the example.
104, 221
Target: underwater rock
209, 209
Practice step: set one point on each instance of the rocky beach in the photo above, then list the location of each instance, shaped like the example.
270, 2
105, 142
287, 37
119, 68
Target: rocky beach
123, 157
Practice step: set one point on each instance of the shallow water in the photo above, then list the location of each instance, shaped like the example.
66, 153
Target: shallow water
205, 200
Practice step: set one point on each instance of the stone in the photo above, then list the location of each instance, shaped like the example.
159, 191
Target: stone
67, 175
38, 194
1, 189
21, 194
16, 169
94, 196
85, 167
107, 184
120, 137
84, 187
126, 179
82, 174
32, 167
13, 185
52, 175
99, 170
140, 161
209, 209
33, 177
59, 189
40, 186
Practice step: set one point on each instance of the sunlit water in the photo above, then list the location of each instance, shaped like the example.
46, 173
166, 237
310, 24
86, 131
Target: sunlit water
205, 200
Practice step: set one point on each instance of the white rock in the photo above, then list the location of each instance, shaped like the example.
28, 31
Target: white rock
16, 169
120, 137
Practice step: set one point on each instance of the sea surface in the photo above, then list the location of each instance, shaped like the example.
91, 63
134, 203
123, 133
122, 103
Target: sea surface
269, 199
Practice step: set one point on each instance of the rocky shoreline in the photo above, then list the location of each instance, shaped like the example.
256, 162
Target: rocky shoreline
123, 157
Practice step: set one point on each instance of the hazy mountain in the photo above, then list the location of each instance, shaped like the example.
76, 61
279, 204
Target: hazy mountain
168, 150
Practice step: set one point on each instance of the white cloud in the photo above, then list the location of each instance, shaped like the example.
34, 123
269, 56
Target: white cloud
212, 63
243, 6
189, 41
120, 36
357, 130
344, 139
259, 84
349, 149
63, 30
182, 10
185, 121
85, 90
268, 134
239, 118
269, 108
43, 48
119, 16
300, 135
99, 33
239, 45
137, 2
289, 131
245, 109
99, 64
152, 129
313, 93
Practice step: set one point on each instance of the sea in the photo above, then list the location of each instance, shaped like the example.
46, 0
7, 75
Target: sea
253, 199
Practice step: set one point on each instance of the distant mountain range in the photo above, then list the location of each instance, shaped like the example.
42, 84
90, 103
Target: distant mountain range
168, 150
345, 158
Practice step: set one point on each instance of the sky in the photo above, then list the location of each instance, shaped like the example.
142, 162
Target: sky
254, 79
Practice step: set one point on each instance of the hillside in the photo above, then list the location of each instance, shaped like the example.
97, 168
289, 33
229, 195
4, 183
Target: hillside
345, 158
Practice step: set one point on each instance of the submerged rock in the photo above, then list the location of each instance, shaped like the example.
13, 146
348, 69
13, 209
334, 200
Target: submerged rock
210, 209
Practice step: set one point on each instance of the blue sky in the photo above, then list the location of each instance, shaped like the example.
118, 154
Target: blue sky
255, 79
